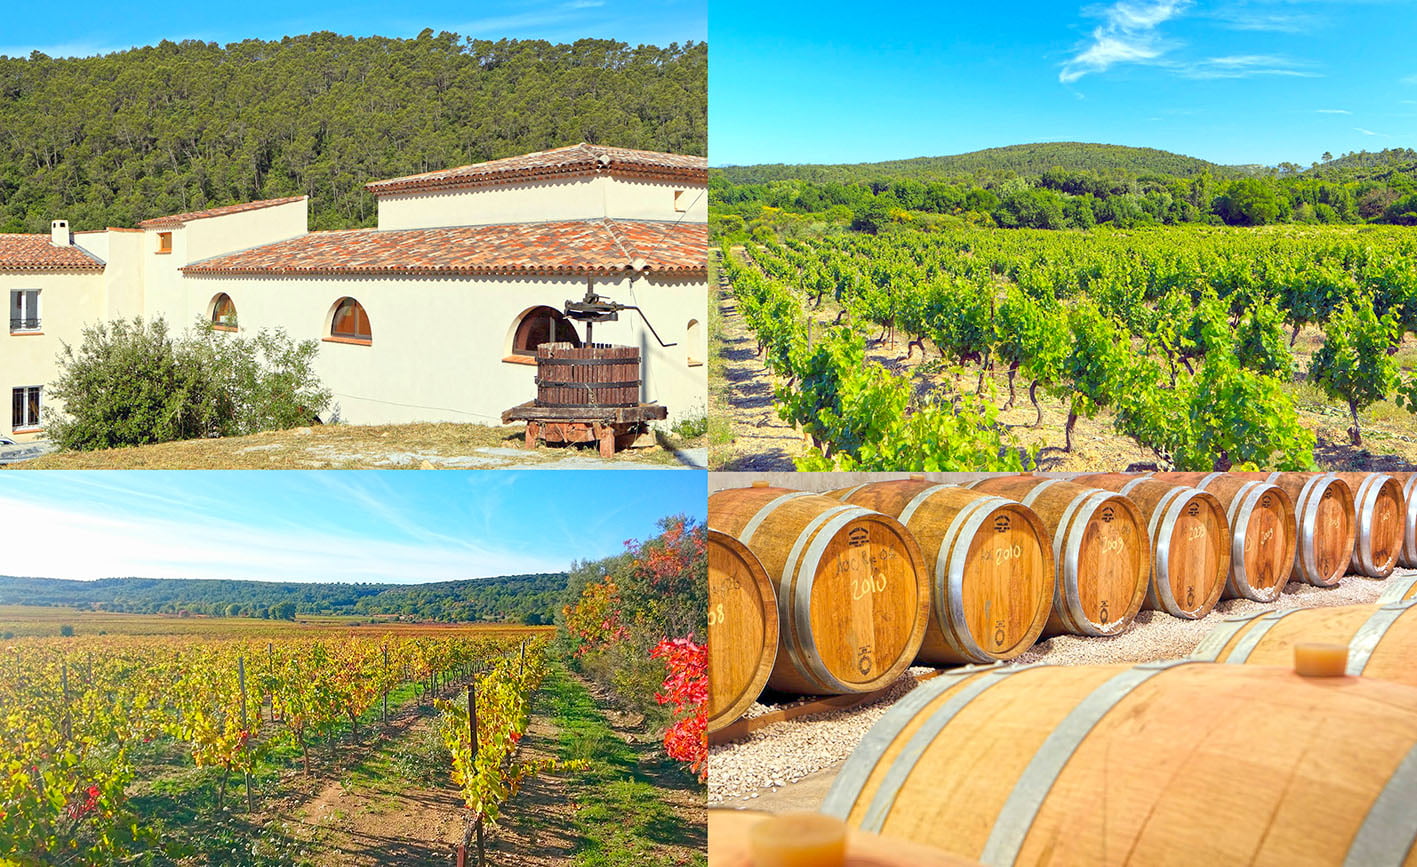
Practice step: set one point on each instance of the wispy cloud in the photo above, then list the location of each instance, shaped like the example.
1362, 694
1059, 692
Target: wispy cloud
537, 17
1332, 111
1370, 132
1128, 34
1243, 18
1409, 79
1242, 66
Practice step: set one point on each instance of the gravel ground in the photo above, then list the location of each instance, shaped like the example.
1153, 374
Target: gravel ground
781, 754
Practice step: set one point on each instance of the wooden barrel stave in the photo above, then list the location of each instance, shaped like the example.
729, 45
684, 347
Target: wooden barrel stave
742, 629
1189, 542
1398, 589
852, 592
1381, 638
1262, 531
1323, 519
1380, 515
1408, 556
1100, 551
596, 376
985, 606
1014, 766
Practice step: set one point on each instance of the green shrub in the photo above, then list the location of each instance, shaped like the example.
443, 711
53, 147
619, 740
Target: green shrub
691, 428
131, 383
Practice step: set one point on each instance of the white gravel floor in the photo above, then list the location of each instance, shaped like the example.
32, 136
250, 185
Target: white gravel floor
785, 752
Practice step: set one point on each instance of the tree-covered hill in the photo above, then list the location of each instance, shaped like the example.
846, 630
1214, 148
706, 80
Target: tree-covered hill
1064, 185
1024, 160
1386, 159
513, 598
176, 127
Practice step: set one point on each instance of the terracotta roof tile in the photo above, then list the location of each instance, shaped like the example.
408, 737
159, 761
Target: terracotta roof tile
36, 253
176, 221
569, 247
580, 159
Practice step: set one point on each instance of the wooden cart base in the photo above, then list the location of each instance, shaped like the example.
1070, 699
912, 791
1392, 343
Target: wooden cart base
614, 428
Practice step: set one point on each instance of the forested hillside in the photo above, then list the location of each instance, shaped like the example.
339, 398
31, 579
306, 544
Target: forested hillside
1064, 186
1024, 159
111, 140
532, 599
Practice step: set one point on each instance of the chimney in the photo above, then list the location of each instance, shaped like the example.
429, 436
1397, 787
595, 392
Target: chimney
59, 234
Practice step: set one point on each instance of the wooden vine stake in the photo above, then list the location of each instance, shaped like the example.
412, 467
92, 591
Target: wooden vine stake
246, 727
386, 684
475, 827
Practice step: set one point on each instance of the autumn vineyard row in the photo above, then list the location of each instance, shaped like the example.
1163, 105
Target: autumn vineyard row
76, 711
1185, 335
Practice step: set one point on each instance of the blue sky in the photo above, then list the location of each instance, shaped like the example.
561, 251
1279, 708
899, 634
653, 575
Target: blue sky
395, 526
1233, 81
91, 27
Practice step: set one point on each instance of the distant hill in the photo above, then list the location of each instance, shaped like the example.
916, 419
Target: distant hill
1385, 166
1028, 160
1388, 158
511, 598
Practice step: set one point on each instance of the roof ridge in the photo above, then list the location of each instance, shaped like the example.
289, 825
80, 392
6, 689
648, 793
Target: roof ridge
614, 232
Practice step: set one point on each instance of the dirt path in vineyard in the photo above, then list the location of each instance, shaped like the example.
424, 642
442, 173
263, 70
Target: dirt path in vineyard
393, 806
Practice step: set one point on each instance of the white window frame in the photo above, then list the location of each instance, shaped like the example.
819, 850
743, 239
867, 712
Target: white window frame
27, 424
30, 311
680, 206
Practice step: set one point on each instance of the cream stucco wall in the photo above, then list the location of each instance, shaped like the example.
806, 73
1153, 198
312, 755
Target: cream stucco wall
580, 198
438, 344
67, 303
164, 294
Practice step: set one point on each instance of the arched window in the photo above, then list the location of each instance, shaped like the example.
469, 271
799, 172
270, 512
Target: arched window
537, 326
350, 324
693, 339
223, 312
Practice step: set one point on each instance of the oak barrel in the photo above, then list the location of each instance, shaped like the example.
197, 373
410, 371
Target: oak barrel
1190, 542
1262, 531
853, 596
1380, 514
1400, 588
1088, 765
1408, 557
1100, 551
595, 376
1381, 639
728, 845
1323, 520
742, 629
990, 561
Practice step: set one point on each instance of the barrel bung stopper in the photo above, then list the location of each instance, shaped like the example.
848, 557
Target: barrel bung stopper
798, 840
1313, 659
760, 483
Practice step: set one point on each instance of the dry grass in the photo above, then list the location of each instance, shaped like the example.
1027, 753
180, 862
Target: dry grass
348, 447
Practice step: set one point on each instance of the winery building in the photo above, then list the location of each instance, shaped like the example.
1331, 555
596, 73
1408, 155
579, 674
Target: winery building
433, 316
